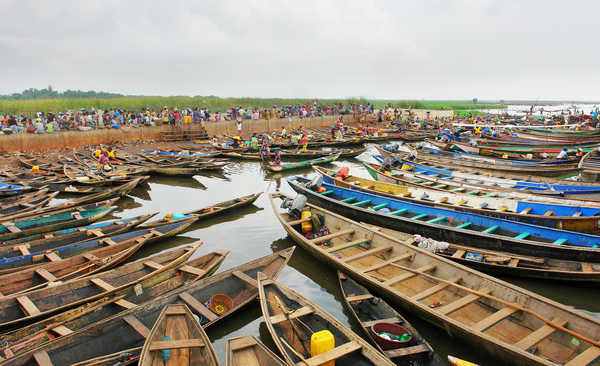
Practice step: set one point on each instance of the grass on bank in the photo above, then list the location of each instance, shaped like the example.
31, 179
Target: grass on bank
31, 106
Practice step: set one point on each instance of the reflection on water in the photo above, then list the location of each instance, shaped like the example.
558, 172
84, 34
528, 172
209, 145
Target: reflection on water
254, 231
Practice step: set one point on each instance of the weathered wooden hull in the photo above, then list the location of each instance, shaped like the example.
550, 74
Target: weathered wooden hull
302, 164
249, 351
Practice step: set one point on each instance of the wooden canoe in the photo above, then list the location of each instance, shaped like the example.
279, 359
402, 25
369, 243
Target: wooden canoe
297, 155
76, 216
510, 323
292, 320
39, 303
129, 329
29, 204
75, 234
581, 218
177, 331
209, 211
34, 335
25, 197
249, 351
52, 266
10, 250
302, 164
453, 226
368, 310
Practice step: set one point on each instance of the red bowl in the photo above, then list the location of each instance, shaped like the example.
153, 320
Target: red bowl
389, 328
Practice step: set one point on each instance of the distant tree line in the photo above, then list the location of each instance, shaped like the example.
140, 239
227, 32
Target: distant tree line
49, 93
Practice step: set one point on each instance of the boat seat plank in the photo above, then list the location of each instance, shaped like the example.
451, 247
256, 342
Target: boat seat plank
514, 262
407, 275
525, 211
193, 270
433, 289
96, 232
53, 257
137, 325
333, 354
585, 358
102, 284
109, 241
549, 213
300, 312
90, 257
325, 238
175, 344
125, 304
153, 265
462, 302
244, 277
11, 227
240, 344
367, 253
406, 351
62, 331
28, 306
45, 274
370, 323
577, 214
77, 216
359, 297
23, 249
387, 262
42, 358
494, 318
300, 221
197, 306
538, 335
459, 253
347, 245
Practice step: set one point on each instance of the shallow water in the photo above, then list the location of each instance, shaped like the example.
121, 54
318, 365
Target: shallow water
254, 231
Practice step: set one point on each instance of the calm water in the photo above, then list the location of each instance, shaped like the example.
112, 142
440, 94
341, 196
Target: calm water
254, 232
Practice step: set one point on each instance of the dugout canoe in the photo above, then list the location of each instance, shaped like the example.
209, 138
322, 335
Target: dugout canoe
298, 155
25, 205
249, 351
176, 330
36, 334
86, 248
368, 310
75, 216
480, 231
507, 263
302, 164
130, 328
531, 184
8, 189
42, 164
209, 211
20, 308
51, 241
509, 323
580, 218
76, 234
292, 319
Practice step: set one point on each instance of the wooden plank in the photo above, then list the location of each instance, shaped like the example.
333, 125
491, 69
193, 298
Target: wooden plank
240, 344
513, 262
333, 235
303, 311
538, 335
359, 297
494, 318
45, 274
577, 214
42, 358
587, 267
432, 290
459, 253
525, 211
349, 244
109, 241
549, 213
175, 344
102, 284
333, 354
137, 325
407, 351
96, 232
125, 304
297, 222
586, 357
193, 270
244, 277
387, 262
28, 306
53, 257
408, 274
462, 302
23, 249
370, 323
77, 216
367, 253
11, 227
61, 330
153, 265
91, 257
197, 306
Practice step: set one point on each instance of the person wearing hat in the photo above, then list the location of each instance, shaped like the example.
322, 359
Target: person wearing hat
579, 152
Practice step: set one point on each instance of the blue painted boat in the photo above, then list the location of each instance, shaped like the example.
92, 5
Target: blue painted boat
453, 226
12, 189
498, 182
188, 154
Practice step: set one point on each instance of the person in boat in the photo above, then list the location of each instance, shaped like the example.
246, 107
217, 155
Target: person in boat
579, 152
112, 154
102, 161
236, 141
562, 154
265, 151
254, 143
283, 133
304, 141
277, 158
98, 152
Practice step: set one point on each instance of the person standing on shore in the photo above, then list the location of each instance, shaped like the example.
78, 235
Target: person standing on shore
239, 127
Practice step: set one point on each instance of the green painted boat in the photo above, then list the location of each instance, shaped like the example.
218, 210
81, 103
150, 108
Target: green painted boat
302, 164
76, 216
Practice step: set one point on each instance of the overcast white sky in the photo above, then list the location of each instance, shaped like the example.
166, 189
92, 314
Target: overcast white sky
444, 49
